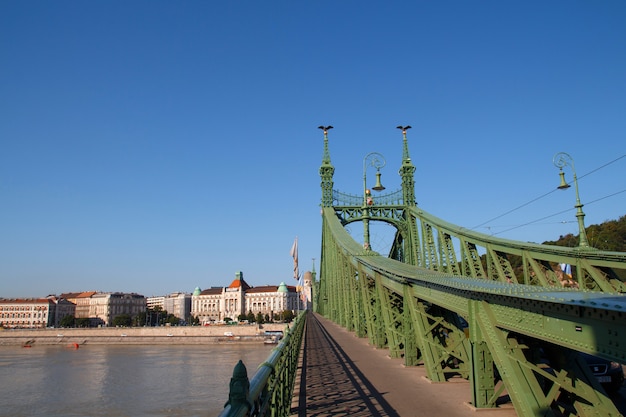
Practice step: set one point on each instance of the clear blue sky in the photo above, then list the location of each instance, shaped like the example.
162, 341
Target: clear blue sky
156, 146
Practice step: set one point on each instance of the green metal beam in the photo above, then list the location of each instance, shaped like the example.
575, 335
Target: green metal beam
492, 310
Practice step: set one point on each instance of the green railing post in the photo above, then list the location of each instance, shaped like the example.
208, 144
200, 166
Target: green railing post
238, 395
269, 391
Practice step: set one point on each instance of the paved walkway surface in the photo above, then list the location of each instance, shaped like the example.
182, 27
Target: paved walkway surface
341, 375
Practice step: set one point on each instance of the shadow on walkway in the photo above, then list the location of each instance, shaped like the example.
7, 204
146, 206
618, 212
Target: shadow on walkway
330, 382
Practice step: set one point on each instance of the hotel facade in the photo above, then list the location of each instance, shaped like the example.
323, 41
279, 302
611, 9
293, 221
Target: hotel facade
219, 303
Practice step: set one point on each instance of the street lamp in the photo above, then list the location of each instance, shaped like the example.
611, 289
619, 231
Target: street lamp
377, 161
560, 160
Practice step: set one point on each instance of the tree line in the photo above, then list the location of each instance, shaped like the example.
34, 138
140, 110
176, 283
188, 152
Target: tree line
157, 316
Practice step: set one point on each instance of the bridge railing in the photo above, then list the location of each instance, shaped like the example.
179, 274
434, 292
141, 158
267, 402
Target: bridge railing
345, 199
449, 248
429, 242
270, 390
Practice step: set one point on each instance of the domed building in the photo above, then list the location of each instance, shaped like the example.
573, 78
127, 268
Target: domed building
215, 304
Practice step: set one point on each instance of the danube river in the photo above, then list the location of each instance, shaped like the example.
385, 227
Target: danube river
121, 380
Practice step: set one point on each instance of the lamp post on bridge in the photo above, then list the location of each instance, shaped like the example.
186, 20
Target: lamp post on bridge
560, 160
377, 161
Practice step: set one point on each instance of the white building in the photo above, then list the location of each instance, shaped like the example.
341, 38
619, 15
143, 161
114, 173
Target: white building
307, 290
82, 300
105, 307
101, 308
178, 304
32, 313
155, 301
239, 298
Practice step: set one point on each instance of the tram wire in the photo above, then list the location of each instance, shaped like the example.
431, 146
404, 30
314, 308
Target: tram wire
560, 212
545, 195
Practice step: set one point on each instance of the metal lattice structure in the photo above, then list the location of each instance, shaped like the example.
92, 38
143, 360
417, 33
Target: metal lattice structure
457, 302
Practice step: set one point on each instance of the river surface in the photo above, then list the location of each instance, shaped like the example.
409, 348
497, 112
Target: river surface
121, 380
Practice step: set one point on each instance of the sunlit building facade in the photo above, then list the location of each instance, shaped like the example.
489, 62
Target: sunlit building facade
101, 308
217, 303
33, 313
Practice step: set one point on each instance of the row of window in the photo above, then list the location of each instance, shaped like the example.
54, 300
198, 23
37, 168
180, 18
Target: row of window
209, 307
21, 315
254, 303
37, 322
23, 308
22, 324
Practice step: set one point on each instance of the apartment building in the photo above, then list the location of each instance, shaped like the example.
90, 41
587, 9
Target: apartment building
101, 308
33, 313
177, 303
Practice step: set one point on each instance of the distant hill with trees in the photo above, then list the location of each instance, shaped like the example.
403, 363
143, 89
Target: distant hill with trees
609, 236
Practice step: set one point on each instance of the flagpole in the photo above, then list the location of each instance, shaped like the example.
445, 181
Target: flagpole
296, 270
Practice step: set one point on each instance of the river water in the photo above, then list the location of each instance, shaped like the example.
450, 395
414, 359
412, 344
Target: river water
121, 380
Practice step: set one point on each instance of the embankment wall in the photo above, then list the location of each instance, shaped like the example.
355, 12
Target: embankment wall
140, 335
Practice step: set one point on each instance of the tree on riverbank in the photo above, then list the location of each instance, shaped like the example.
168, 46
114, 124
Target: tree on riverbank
288, 316
123, 320
68, 321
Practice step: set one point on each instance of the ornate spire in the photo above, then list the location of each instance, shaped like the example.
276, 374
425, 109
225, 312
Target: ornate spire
326, 157
406, 159
326, 172
406, 171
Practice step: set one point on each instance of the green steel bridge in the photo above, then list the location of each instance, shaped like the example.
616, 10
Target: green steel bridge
458, 302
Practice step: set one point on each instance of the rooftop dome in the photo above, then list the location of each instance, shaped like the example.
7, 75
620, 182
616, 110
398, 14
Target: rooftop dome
282, 288
197, 291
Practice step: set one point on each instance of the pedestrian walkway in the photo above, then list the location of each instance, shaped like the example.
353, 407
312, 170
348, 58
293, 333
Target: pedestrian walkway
341, 375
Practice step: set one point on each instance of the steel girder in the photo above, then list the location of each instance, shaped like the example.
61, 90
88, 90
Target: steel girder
594, 269
447, 255
564, 386
509, 292
508, 325
391, 309
440, 338
390, 214
372, 308
429, 248
411, 343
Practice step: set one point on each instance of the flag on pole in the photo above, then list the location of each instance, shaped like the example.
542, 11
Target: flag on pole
294, 255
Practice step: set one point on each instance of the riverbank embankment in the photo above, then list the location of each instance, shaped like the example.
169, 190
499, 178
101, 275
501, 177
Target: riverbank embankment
187, 335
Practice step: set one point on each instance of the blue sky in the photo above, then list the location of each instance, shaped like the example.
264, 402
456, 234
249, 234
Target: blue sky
156, 146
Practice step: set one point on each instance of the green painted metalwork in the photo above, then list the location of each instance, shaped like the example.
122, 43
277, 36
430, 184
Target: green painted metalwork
392, 317
483, 383
374, 328
492, 310
270, 390
410, 341
326, 172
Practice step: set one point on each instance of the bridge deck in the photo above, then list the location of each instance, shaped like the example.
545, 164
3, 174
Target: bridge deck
341, 374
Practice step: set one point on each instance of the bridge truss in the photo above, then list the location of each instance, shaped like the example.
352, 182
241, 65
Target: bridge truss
461, 303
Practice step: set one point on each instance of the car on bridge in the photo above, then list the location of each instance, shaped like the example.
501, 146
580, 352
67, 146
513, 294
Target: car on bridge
609, 374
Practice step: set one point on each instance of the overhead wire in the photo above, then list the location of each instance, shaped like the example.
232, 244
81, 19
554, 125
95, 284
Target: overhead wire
515, 209
560, 212
545, 195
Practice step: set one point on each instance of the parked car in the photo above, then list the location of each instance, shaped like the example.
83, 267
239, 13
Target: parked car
609, 374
